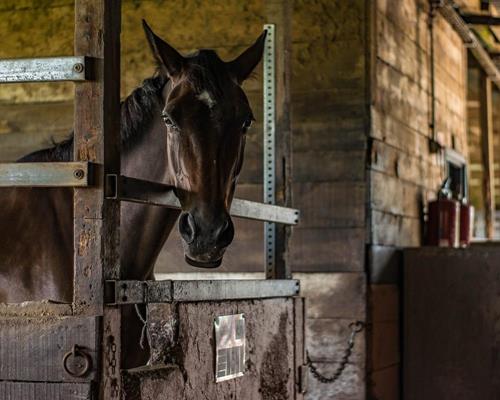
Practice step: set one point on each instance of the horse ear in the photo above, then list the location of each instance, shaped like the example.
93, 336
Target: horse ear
168, 58
242, 66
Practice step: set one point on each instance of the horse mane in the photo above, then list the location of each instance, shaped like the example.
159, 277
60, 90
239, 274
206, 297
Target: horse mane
206, 72
137, 112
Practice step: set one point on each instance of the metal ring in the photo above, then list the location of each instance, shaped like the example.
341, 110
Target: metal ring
77, 351
357, 326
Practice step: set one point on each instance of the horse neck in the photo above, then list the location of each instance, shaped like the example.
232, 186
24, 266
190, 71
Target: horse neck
144, 229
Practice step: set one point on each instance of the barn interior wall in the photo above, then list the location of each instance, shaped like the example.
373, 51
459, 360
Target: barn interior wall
329, 122
403, 174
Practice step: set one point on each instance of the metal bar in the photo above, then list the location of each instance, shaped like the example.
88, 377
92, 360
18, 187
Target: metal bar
269, 146
46, 174
140, 292
141, 191
481, 19
233, 289
264, 212
47, 69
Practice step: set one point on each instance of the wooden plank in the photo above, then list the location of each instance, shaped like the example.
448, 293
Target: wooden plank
279, 13
385, 383
32, 349
420, 170
97, 138
384, 303
384, 264
451, 311
35, 309
45, 391
327, 249
46, 174
350, 386
270, 351
327, 340
331, 204
334, 295
486, 121
384, 344
395, 196
395, 230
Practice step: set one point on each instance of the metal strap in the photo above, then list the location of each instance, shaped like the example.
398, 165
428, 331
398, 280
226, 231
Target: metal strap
269, 145
46, 69
46, 174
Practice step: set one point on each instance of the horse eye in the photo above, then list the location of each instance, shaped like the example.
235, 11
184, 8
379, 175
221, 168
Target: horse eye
167, 119
247, 124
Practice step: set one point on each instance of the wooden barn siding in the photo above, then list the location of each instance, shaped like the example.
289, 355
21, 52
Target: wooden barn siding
402, 174
329, 134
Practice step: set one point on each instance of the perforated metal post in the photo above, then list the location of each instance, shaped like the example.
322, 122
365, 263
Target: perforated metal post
269, 146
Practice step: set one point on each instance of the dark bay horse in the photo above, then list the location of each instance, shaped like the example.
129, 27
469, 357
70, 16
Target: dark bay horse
185, 127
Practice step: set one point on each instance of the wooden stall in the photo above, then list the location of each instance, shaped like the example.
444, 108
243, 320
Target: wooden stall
76, 350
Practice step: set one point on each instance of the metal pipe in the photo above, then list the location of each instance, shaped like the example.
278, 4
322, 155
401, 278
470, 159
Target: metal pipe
448, 10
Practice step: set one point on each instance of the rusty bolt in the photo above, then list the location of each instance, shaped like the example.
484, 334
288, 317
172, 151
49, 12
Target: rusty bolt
78, 68
79, 173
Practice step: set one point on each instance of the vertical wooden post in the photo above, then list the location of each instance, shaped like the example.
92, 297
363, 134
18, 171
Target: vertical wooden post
279, 12
97, 139
487, 154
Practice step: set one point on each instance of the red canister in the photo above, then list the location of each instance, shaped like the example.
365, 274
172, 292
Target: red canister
466, 224
443, 223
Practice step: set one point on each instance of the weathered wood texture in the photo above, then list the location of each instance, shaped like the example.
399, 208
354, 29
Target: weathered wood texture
488, 158
32, 349
333, 301
45, 391
183, 340
450, 329
403, 175
97, 138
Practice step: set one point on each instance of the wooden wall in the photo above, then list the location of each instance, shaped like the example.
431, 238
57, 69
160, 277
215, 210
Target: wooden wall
402, 174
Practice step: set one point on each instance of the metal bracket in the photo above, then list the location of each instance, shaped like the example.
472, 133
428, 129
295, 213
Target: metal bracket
47, 174
46, 69
269, 145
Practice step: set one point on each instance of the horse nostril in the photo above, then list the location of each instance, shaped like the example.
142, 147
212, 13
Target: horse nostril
226, 233
187, 227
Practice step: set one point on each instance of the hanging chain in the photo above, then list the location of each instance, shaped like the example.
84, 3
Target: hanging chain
111, 356
356, 327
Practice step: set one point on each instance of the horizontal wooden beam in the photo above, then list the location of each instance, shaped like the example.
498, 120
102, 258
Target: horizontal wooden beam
46, 174
138, 292
152, 193
46, 69
481, 19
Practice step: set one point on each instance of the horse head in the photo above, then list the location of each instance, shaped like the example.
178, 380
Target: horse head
206, 115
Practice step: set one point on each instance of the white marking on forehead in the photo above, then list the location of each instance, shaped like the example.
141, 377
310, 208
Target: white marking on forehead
206, 98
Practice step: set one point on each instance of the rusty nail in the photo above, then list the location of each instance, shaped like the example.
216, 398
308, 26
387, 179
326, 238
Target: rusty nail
79, 173
78, 68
